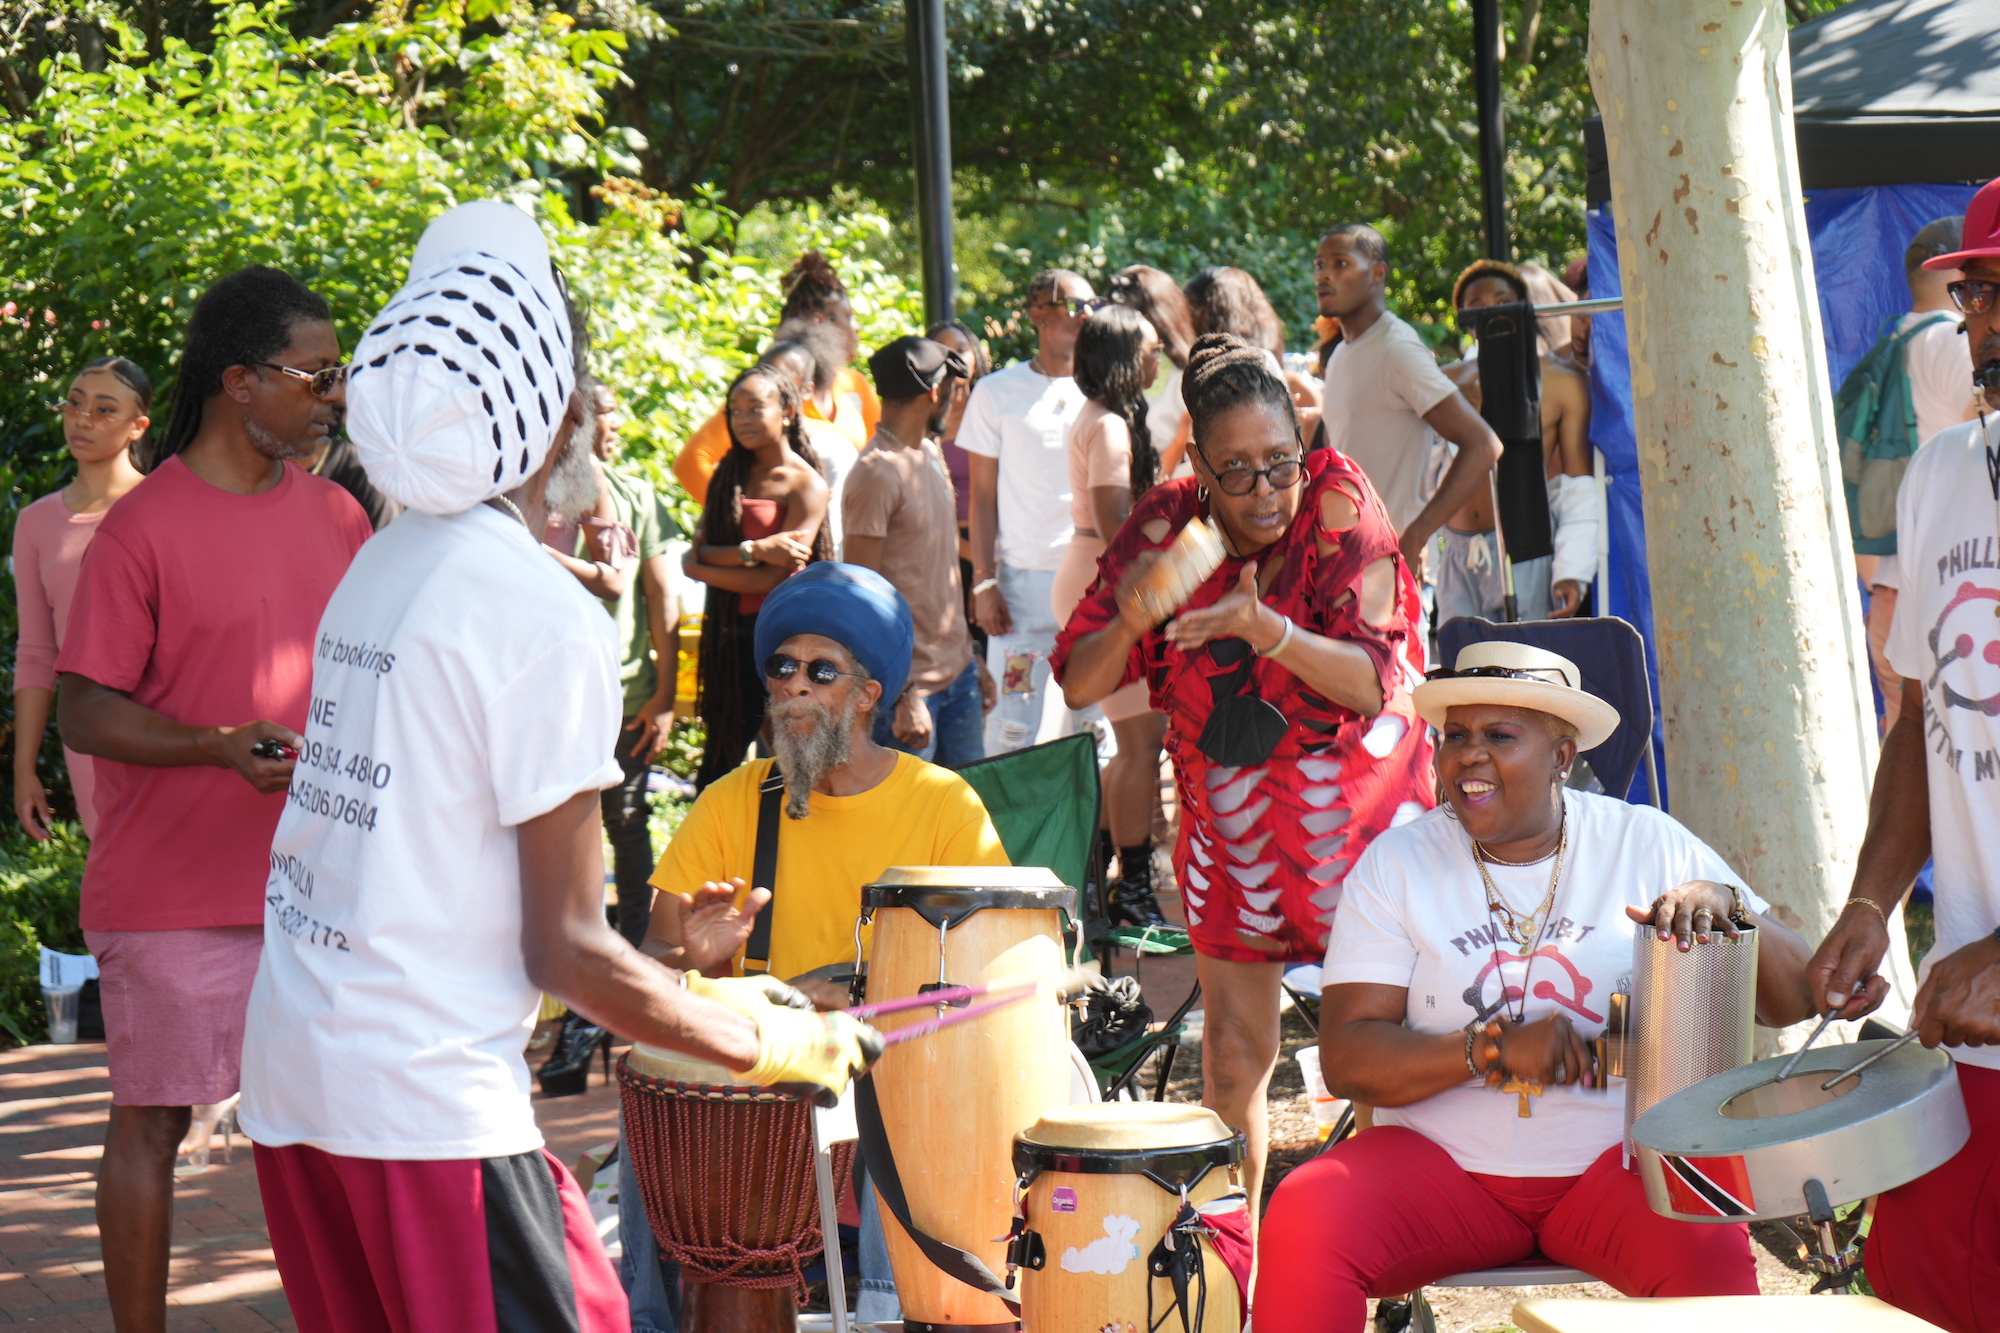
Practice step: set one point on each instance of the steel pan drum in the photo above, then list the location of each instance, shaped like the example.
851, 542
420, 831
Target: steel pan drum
1740, 1146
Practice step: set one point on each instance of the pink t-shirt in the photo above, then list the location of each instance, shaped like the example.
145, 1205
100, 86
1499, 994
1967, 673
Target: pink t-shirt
49, 542
203, 606
1100, 454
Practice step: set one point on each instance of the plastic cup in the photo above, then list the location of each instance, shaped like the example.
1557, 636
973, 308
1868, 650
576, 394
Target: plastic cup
1326, 1107
62, 1006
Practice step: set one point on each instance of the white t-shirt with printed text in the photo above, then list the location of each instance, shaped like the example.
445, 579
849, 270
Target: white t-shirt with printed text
463, 683
1946, 637
1414, 914
1022, 417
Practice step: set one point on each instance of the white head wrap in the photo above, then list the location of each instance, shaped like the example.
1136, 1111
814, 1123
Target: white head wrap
459, 385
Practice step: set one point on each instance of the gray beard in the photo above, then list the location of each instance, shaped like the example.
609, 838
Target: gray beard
825, 748
572, 490
269, 445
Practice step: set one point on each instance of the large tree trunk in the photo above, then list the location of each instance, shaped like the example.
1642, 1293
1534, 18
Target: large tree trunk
1769, 717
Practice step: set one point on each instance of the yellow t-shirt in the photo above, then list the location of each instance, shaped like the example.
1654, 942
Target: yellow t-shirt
920, 815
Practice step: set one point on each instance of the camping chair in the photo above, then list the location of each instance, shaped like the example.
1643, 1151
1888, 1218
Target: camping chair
1612, 657
1044, 803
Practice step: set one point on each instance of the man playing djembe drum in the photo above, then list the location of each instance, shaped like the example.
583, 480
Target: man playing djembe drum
834, 642
439, 863
1468, 968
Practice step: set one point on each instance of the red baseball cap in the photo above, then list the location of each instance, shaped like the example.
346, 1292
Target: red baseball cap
1982, 230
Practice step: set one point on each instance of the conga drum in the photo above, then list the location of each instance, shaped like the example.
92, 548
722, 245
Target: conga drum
952, 1102
1105, 1184
726, 1174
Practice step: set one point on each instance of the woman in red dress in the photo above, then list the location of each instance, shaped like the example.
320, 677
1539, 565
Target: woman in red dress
1286, 679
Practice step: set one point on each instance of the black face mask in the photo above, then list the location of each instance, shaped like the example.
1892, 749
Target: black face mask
1242, 730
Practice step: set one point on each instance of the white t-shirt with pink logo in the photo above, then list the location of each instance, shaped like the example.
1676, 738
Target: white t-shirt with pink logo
1414, 914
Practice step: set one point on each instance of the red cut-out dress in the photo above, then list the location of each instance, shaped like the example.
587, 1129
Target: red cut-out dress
1264, 849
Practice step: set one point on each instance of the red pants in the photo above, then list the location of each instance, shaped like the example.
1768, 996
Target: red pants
1388, 1211
1934, 1249
503, 1244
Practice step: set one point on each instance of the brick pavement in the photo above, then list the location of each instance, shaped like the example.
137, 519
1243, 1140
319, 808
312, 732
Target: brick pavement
53, 1102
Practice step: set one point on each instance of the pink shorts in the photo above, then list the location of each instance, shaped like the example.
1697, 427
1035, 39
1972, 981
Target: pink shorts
436, 1247
174, 1002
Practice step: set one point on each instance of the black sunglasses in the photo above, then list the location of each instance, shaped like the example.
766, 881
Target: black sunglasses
1543, 674
1972, 296
820, 671
323, 382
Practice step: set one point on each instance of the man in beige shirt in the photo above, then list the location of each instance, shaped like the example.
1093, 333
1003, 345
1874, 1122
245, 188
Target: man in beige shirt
901, 519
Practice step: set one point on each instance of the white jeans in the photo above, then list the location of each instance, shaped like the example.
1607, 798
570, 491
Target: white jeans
1031, 709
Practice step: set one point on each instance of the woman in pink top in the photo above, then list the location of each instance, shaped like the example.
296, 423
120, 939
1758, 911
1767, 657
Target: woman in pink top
1112, 461
103, 418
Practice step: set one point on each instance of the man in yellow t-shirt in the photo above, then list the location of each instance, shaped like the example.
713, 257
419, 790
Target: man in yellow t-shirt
834, 642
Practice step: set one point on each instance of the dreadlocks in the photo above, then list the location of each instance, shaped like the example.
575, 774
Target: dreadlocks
1107, 372
730, 692
244, 318
811, 288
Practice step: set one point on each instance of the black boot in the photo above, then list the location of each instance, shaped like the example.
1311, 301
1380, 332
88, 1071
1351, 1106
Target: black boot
1129, 900
566, 1073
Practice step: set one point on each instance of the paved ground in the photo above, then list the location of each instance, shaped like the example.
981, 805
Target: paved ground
53, 1101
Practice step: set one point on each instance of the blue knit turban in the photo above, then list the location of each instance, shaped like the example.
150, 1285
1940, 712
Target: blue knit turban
850, 604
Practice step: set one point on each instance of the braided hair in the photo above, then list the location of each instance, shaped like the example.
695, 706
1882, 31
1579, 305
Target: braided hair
1107, 373
1224, 373
730, 695
244, 318
811, 287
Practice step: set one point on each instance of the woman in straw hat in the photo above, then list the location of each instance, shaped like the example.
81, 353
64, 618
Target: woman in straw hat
1466, 976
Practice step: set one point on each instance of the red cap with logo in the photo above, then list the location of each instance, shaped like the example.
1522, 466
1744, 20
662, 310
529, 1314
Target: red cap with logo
1982, 230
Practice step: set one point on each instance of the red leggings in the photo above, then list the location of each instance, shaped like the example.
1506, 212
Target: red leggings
1934, 1248
1388, 1211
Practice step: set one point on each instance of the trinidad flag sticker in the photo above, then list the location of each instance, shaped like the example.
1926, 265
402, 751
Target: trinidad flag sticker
1708, 1186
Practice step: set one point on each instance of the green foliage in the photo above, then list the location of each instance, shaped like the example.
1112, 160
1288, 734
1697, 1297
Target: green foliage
38, 906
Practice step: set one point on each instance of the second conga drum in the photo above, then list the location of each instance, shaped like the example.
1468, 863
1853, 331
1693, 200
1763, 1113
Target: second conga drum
953, 1102
1105, 1184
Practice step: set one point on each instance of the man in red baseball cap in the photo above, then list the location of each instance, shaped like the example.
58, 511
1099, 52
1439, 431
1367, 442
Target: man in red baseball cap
1935, 1246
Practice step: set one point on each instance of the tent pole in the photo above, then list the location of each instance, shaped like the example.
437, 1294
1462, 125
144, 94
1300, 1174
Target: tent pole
1492, 136
1757, 619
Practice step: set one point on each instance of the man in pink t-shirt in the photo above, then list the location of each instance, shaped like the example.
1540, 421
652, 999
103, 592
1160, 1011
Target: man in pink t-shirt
189, 651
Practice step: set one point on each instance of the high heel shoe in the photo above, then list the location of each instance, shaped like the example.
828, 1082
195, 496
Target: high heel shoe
1130, 902
567, 1072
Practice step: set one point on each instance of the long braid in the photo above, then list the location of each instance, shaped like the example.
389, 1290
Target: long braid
729, 696
1107, 373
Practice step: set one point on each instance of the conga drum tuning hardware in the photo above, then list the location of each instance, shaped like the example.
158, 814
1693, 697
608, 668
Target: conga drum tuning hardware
1747, 1145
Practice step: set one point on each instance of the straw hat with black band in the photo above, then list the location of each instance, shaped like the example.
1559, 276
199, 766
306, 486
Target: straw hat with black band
1515, 675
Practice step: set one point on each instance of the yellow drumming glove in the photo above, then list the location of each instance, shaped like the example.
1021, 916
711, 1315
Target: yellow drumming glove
822, 1052
747, 995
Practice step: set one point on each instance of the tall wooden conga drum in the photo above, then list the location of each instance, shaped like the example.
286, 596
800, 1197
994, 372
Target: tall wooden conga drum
953, 1102
726, 1174
1105, 1185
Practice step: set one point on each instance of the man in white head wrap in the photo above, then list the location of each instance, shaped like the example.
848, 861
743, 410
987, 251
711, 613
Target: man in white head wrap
439, 865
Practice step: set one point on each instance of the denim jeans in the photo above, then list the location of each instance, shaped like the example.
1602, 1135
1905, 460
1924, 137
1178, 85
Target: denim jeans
876, 1301
957, 722
626, 808
652, 1281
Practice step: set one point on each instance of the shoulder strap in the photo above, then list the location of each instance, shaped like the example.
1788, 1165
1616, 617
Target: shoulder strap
764, 867
949, 1259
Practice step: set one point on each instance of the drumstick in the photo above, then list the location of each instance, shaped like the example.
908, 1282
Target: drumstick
1067, 982
931, 1025
1800, 1053
1852, 1070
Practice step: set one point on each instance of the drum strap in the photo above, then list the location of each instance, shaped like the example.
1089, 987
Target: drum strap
764, 868
1178, 1259
967, 1268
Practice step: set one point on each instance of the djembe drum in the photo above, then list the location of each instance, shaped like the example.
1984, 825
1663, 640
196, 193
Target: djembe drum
726, 1174
952, 1103
1105, 1186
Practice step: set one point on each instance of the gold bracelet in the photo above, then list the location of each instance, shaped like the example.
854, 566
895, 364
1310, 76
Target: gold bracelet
1871, 903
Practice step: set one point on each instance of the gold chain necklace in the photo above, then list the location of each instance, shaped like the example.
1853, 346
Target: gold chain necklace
1523, 931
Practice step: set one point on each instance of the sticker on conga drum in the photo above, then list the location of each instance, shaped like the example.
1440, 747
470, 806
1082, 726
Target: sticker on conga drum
1718, 1186
1109, 1253
1063, 1200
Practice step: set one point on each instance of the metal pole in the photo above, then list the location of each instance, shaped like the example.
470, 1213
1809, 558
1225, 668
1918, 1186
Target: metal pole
930, 113
1492, 137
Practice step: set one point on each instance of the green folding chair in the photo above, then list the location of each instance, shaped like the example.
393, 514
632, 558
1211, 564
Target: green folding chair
1044, 804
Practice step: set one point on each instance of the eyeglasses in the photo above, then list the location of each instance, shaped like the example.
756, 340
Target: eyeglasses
104, 416
1283, 475
820, 671
323, 382
1972, 296
1547, 675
